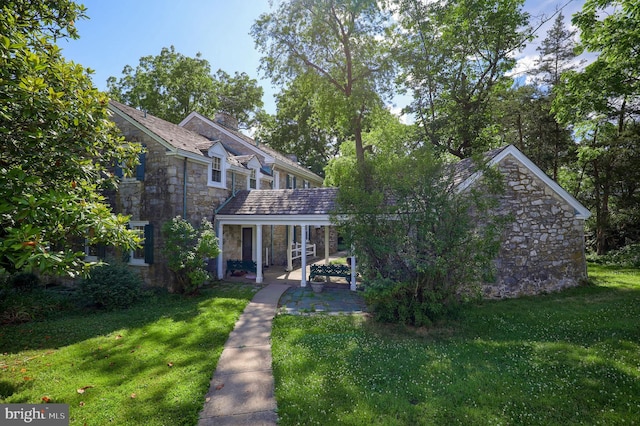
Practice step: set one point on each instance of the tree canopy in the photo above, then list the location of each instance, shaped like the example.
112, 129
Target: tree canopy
342, 43
58, 146
171, 85
455, 55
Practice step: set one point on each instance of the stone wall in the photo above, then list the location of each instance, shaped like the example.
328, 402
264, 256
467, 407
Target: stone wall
543, 248
161, 196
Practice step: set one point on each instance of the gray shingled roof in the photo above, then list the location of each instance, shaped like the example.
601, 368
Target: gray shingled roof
303, 201
463, 169
173, 134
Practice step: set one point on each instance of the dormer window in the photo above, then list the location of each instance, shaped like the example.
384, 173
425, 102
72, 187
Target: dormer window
216, 169
252, 179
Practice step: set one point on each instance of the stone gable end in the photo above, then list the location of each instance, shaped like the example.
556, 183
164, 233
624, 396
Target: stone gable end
542, 250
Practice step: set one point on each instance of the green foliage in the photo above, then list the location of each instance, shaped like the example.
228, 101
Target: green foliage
625, 257
187, 250
455, 56
24, 282
343, 44
36, 305
112, 286
58, 146
565, 358
420, 244
171, 85
121, 358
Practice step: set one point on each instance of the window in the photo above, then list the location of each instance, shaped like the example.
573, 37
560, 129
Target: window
252, 179
216, 169
291, 181
276, 180
142, 255
306, 184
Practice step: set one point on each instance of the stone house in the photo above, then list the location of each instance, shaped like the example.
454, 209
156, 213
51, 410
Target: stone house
194, 168
269, 209
543, 248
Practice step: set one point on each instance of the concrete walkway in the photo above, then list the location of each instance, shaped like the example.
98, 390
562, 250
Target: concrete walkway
242, 388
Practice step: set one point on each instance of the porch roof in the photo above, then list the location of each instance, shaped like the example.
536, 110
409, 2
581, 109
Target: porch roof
312, 206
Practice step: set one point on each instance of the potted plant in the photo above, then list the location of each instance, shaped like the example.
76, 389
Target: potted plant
317, 284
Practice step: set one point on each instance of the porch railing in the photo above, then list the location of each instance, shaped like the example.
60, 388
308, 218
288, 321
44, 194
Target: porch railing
296, 250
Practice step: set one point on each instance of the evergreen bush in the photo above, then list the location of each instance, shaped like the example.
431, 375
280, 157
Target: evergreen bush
112, 286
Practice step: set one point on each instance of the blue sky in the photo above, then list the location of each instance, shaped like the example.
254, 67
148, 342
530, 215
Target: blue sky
120, 32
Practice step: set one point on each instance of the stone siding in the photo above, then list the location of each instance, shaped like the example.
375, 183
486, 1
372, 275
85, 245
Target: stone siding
543, 248
160, 196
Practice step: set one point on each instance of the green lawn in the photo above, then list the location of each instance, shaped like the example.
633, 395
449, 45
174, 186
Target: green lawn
150, 364
568, 358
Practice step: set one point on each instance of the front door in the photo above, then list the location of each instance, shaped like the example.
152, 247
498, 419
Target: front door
247, 244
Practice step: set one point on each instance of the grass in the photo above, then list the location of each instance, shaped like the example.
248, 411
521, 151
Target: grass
150, 364
566, 358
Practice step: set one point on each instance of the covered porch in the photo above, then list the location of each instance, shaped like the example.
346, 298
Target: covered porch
299, 209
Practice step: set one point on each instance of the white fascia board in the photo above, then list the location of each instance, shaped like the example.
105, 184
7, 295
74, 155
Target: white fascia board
267, 158
190, 155
299, 171
142, 128
240, 170
274, 220
581, 211
188, 118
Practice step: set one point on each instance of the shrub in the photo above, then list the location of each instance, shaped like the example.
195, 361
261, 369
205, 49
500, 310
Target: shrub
626, 257
24, 282
422, 245
112, 286
187, 250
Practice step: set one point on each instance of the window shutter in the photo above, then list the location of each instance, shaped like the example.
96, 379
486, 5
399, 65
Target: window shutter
118, 171
142, 158
101, 251
294, 183
148, 244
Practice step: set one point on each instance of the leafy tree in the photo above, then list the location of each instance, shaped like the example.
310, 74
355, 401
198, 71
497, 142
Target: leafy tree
171, 85
418, 246
187, 249
557, 54
298, 128
58, 146
455, 55
343, 43
602, 103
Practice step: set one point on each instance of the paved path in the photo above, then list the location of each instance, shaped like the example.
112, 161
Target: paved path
241, 391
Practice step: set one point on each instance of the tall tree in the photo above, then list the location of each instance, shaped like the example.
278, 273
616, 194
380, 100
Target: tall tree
604, 100
58, 145
342, 42
172, 85
299, 128
455, 54
557, 54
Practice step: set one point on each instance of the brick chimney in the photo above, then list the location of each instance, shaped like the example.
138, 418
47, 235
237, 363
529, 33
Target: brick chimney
227, 120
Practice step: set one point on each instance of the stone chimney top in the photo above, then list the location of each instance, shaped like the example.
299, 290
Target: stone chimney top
292, 157
227, 120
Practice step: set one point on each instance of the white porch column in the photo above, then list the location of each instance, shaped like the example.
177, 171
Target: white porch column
258, 254
289, 254
326, 245
303, 260
353, 271
219, 229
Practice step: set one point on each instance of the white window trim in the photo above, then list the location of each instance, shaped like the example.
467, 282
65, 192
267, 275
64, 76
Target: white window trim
223, 173
276, 180
132, 260
258, 177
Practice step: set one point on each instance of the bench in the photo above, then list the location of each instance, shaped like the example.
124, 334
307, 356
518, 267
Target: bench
343, 271
241, 265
